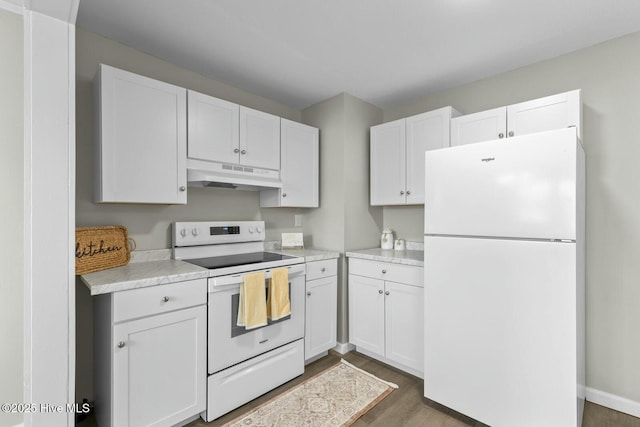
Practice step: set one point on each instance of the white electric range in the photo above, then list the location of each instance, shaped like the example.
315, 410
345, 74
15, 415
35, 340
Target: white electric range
242, 364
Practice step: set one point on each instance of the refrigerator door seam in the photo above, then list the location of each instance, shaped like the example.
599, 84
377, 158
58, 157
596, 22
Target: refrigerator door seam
524, 239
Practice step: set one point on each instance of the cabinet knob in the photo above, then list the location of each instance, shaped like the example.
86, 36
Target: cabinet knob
165, 299
183, 188
308, 294
408, 192
284, 194
243, 152
386, 293
511, 133
401, 192
236, 150
323, 269
501, 135
380, 291
121, 344
384, 271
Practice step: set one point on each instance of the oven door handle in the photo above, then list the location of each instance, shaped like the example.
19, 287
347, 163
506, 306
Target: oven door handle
237, 279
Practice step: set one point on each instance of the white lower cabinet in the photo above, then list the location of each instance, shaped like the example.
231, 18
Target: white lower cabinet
151, 361
321, 308
386, 312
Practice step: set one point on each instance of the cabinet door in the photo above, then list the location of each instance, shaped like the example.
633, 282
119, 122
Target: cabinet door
299, 165
259, 139
141, 139
427, 131
366, 313
214, 128
404, 326
548, 113
321, 316
478, 127
159, 368
388, 163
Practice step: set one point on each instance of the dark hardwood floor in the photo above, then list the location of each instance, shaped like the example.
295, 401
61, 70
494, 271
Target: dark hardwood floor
405, 406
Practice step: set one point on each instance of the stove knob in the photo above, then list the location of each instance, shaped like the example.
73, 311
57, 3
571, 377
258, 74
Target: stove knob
251, 230
194, 232
183, 232
259, 229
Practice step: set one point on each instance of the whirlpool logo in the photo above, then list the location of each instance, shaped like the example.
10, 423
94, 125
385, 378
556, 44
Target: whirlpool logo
488, 159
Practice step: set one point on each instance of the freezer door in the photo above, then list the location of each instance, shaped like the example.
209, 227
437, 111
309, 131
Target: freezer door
522, 187
500, 330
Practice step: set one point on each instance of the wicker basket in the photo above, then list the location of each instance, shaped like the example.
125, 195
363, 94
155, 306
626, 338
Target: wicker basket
99, 248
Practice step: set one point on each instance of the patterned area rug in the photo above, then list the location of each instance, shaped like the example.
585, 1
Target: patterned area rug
337, 396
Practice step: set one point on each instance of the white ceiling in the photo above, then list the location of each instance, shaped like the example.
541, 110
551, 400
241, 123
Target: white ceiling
300, 52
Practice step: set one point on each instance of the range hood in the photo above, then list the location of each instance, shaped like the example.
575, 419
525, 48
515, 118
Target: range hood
222, 175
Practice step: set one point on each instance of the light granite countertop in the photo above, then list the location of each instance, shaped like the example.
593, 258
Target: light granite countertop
155, 267
408, 257
142, 274
309, 255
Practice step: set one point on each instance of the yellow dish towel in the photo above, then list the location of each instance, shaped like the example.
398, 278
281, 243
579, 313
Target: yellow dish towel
252, 310
278, 304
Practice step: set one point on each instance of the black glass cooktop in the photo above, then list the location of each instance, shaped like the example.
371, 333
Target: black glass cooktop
239, 259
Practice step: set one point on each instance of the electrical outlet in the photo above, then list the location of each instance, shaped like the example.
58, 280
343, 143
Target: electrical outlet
297, 220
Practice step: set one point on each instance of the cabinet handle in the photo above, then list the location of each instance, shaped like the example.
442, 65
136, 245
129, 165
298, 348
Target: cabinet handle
408, 192
501, 135
183, 188
401, 192
380, 291
308, 294
121, 344
165, 299
384, 271
284, 194
236, 150
243, 152
323, 269
511, 133
386, 293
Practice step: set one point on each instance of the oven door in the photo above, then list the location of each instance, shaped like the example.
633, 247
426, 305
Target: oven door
229, 344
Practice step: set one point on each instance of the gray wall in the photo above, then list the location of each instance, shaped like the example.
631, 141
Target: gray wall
609, 76
12, 194
344, 220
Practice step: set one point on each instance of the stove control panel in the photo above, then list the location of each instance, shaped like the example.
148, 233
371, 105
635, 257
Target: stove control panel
216, 232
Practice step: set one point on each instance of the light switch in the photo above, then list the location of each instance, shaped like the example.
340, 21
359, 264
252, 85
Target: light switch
297, 220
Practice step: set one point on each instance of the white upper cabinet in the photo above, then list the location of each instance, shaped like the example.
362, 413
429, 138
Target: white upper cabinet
214, 129
477, 127
544, 114
140, 139
299, 163
427, 131
551, 112
259, 139
224, 132
397, 155
388, 163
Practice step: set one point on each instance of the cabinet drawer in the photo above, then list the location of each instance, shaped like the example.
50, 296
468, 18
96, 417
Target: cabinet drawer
158, 299
319, 269
400, 273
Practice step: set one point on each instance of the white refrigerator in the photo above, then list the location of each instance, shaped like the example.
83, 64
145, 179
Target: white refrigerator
504, 280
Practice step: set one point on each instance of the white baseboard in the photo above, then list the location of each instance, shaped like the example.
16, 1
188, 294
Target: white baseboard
612, 401
316, 357
344, 347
